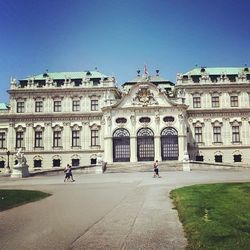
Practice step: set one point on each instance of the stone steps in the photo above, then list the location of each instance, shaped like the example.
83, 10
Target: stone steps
128, 167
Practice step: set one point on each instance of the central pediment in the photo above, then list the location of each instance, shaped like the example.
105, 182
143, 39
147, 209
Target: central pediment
144, 95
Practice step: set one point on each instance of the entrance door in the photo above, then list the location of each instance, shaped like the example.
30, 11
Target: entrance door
145, 145
169, 144
121, 145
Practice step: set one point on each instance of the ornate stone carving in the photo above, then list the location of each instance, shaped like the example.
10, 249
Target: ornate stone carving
144, 97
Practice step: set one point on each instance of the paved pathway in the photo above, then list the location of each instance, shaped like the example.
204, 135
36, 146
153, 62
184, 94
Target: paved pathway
110, 211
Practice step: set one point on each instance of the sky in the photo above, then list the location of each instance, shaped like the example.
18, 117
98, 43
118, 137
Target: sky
121, 36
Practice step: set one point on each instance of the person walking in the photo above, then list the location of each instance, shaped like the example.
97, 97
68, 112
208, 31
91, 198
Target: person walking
156, 169
70, 173
67, 173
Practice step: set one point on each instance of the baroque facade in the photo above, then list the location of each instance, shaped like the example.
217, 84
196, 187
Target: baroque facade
80, 117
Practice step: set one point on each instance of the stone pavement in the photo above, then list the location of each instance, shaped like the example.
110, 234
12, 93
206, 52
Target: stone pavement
109, 211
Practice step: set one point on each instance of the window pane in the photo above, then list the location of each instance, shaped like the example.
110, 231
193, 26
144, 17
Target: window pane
75, 138
76, 105
2, 140
217, 134
198, 134
38, 139
94, 105
19, 140
234, 101
38, 106
94, 137
57, 106
215, 101
196, 102
236, 134
57, 139
20, 107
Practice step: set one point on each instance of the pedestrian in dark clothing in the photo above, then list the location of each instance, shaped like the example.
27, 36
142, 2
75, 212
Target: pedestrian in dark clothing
156, 169
68, 173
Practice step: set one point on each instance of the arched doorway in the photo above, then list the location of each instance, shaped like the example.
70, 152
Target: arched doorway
121, 145
169, 144
145, 145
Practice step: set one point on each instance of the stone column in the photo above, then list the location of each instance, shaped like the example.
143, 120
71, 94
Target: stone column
29, 137
226, 132
157, 143
66, 143
182, 142
11, 142
108, 150
133, 149
48, 136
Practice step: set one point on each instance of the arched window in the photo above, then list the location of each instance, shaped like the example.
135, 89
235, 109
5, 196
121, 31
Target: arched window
145, 145
121, 145
169, 144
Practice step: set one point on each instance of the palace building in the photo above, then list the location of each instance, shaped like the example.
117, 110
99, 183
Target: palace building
79, 117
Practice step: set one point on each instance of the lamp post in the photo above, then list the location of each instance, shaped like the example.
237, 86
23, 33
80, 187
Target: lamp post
7, 169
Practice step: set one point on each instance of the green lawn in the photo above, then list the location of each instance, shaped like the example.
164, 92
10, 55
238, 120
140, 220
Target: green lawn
13, 198
215, 216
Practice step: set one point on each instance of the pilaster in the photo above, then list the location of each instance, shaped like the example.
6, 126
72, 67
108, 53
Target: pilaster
133, 149
157, 148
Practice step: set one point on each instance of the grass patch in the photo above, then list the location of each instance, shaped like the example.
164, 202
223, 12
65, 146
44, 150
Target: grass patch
14, 198
215, 216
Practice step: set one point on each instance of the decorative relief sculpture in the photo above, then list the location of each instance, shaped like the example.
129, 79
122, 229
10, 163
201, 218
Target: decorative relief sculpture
144, 97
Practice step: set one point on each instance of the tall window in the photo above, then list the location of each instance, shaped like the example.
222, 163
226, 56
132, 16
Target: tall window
19, 140
38, 106
20, 107
94, 105
76, 105
2, 140
57, 139
198, 134
217, 134
38, 139
234, 101
196, 102
57, 106
75, 138
95, 138
235, 134
215, 101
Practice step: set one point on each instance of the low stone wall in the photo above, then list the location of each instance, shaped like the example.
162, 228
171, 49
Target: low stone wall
91, 169
197, 165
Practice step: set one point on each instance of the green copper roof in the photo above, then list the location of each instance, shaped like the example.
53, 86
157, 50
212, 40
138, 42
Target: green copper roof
218, 71
3, 106
63, 75
155, 79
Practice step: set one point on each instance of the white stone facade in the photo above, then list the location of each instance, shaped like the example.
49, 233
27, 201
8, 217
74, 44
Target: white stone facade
75, 118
